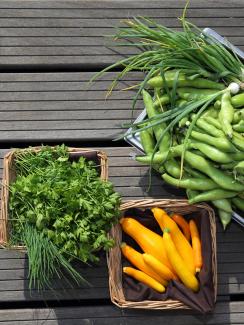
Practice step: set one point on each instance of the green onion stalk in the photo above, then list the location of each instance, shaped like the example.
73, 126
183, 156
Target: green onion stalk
189, 52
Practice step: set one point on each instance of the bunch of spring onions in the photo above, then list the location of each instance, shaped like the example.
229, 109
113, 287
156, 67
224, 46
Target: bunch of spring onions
188, 78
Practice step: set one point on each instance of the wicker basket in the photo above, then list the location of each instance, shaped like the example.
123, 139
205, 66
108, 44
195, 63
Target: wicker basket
9, 176
115, 261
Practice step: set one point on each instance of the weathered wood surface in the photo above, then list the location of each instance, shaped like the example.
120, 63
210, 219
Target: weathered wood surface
71, 33
131, 183
225, 313
63, 106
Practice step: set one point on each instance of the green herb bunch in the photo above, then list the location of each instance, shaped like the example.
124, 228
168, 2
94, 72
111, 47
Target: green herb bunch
64, 200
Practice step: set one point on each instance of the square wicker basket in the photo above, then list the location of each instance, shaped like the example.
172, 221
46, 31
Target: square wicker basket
9, 176
114, 257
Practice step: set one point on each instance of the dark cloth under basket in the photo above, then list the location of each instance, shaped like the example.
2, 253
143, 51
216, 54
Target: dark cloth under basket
126, 292
99, 157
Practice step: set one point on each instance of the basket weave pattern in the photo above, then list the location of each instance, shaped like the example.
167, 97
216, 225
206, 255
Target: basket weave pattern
114, 257
9, 176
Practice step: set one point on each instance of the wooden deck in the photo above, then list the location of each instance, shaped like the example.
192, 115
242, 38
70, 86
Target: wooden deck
48, 52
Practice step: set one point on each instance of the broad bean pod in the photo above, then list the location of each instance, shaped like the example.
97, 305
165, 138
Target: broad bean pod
225, 217
210, 129
147, 141
161, 101
221, 143
211, 111
239, 127
193, 172
239, 168
230, 165
223, 180
184, 81
238, 116
226, 114
214, 122
238, 202
223, 204
157, 129
195, 94
213, 153
191, 183
157, 158
212, 195
191, 193
172, 167
238, 140
238, 100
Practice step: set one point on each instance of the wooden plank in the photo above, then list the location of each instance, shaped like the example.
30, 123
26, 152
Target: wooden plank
87, 13
71, 33
93, 33
77, 4
46, 107
225, 313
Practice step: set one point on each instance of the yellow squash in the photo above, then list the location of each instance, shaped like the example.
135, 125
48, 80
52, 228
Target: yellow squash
183, 246
158, 267
144, 278
137, 260
149, 241
179, 265
196, 244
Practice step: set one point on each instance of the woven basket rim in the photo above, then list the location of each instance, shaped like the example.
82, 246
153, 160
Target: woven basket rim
8, 159
114, 254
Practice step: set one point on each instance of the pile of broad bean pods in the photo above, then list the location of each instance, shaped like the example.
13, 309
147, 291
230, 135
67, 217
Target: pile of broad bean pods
193, 91
213, 164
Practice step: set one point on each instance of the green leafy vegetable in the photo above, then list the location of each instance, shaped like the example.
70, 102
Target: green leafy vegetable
70, 208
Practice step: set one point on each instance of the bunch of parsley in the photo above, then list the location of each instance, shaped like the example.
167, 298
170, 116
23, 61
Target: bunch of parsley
63, 202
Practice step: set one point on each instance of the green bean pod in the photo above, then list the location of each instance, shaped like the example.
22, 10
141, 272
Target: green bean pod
238, 140
230, 165
213, 153
195, 94
172, 167
225, 217
238, 115
212, 195
158, 92
238, 202
191, 193
238, 100
223, 204
161, 101
197, 184
193, 172
239, 168
239, 127
158, 82
158, 158
184, 81
226, 114
180, 102
214, 122
208, 128
157, 129
221, 143
223, 180
147, 141
238, 156
211, 112
217, 104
